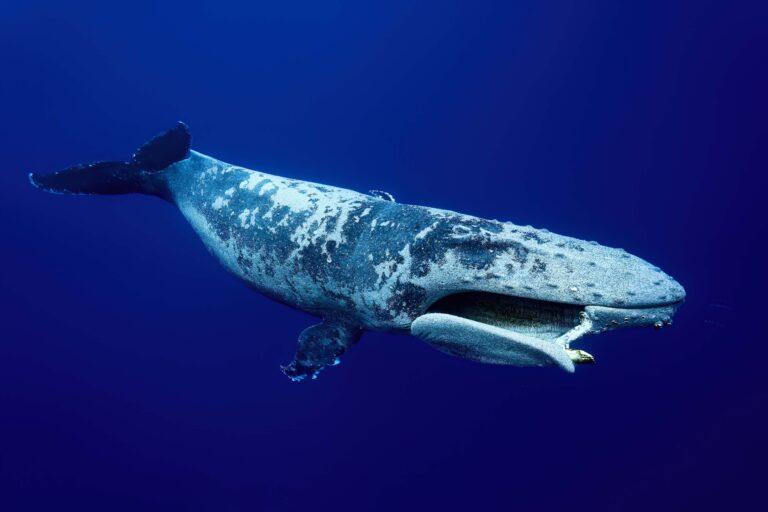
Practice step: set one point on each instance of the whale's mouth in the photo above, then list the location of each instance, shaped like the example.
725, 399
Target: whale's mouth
504, 329
537, 318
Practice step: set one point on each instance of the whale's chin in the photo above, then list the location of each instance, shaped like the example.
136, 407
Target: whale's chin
510, 330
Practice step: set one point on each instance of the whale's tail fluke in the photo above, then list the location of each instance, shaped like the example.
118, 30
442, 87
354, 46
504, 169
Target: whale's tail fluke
116, 177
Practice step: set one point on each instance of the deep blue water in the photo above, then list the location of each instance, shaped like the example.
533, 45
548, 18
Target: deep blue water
136, 374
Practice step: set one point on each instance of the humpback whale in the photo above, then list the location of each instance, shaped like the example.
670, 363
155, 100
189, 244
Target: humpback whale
489, 291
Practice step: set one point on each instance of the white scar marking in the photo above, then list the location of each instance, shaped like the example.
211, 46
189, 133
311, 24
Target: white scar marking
314, 228
219, 203
266, 188
389, 270
248, 217
424, 232
295, 199
243, 217
253, 179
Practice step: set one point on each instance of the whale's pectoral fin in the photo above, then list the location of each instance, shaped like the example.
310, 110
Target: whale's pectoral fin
321, 345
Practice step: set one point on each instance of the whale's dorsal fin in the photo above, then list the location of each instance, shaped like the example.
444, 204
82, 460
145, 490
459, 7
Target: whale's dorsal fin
165, 149
382, 195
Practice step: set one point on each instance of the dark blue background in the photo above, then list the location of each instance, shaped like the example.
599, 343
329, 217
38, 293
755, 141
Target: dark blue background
136, 374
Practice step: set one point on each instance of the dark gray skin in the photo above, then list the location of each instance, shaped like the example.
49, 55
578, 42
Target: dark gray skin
480, 289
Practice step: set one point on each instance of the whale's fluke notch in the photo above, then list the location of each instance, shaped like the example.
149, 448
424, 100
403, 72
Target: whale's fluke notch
121, 177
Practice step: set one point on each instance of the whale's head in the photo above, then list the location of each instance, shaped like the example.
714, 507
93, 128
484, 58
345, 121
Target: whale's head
507, 294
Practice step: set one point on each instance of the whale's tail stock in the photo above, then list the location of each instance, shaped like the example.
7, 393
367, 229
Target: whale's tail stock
134, 175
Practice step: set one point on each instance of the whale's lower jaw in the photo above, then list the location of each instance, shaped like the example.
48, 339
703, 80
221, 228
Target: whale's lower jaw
500, 329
